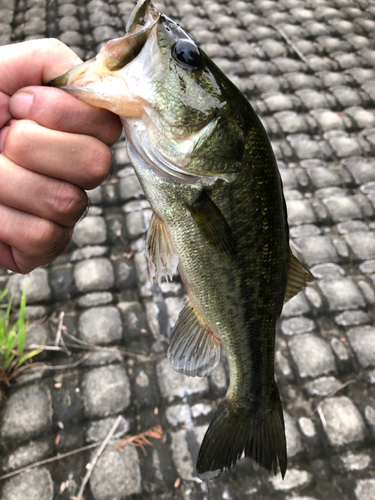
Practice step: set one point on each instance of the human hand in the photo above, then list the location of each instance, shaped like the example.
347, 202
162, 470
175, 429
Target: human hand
52, 147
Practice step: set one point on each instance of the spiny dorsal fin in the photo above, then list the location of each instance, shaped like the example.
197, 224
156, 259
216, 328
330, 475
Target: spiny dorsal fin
160, 250
298, 277
193, 349
212, 224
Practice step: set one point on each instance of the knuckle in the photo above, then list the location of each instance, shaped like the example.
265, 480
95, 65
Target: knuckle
69, 203
50, 240
97, 163
19, 140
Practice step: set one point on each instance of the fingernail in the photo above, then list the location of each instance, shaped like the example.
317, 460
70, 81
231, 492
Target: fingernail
3, 133
20, 104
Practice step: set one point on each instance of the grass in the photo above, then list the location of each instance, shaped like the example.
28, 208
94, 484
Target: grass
14, 353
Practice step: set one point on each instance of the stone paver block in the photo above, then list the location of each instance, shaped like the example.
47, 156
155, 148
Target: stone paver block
297, 325
299, 212
116, 475
365, 489
362, 243
362, 340
28, 411
174, 384
323, 386
34, 484
36, 282
100, 325
312, 355
106, 390
317, 249
342, 208
341, 294
294, 479
181, 455
94, 274
342, 421
293, 438
26, 454
90, 231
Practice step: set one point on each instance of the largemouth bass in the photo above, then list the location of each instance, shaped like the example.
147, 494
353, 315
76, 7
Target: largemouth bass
207, 168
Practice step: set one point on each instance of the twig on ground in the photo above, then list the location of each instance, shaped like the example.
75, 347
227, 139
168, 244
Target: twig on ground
96, 457
290, 42
59, 339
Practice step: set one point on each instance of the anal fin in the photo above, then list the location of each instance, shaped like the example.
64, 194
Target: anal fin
298, 277
160, 250
193, 350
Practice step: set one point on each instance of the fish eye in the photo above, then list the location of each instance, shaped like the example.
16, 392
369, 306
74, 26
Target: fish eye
186, 54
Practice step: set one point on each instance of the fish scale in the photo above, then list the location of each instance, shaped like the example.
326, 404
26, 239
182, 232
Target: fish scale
208, 171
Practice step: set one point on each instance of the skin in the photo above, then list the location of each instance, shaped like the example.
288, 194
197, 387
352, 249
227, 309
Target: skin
50, 152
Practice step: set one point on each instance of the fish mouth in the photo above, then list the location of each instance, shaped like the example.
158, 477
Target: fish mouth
85, 81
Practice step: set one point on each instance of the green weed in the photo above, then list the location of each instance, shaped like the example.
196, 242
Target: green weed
14, 352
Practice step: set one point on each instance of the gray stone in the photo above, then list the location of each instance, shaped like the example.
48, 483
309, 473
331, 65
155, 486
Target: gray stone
342, 421
129, 185
307, 427
311, 99
95, 299
365, 489
117, 474
182, 456
277, 102
34, 484
94, 274
304, 147
90, 231
88, 252
316, 249
346, 96
28, 411
104, 33
297, 325
328, 120
174, 384
297, 305
26, 454
339, 349
293, 438
106, 390
341, 294
342, 208
299, 212
323, 386
313, 296
352, 318
345, 146
362, 340
312, 355
323, 177
100, 325
362, 244
354, 462
294, 479
351, 226
327, 270
99, 429
36, 284
361, 170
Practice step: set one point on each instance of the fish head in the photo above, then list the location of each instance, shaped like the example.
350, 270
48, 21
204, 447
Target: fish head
155, 69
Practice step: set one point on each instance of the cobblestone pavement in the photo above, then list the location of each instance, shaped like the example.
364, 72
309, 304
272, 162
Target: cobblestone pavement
307, 66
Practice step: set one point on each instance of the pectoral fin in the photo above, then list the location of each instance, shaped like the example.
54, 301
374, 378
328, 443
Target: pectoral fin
298, 277
193, 350
160, 250
212, 224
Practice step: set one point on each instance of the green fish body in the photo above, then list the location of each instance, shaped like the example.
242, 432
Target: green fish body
208, 171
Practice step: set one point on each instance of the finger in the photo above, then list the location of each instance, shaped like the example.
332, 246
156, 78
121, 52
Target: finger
78, 159
5, 114
34, 62
46, 197
55, 109
35, 243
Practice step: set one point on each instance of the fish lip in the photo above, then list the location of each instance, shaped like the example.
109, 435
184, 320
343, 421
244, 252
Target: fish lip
141, 22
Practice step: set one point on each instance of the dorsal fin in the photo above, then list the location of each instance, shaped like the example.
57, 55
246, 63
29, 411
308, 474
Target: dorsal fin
193, 349
298, 277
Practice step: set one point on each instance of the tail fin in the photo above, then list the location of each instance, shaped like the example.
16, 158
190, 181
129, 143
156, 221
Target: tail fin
258, 431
